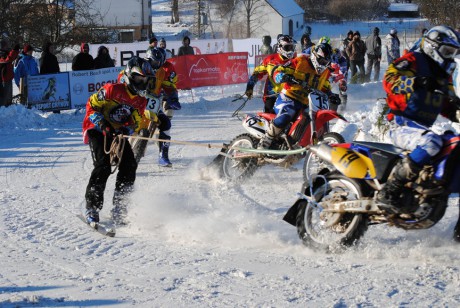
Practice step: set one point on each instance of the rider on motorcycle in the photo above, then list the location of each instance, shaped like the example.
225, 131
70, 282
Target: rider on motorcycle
285, 52
298, 76
165, 85
419, 88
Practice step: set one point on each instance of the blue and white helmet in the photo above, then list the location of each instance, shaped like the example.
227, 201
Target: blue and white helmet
156, 57
441, 44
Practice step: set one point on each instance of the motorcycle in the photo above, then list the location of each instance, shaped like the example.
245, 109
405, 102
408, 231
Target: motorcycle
310, 127
338, 204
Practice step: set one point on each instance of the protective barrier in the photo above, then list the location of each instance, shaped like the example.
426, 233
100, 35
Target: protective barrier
70, 90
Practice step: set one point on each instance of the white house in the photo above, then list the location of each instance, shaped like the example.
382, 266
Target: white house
131, 18
283, 16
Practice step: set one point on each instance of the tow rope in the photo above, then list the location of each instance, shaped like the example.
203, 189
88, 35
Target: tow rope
224, 146
116, 150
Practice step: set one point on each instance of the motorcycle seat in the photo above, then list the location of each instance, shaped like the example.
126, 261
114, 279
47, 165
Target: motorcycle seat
386, 147
267, 116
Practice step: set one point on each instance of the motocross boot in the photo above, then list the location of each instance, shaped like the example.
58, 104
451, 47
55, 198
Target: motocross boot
457, 230
271, 133
163, 159
403, 172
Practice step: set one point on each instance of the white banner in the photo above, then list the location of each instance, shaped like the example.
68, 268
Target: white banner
84, 83
251, 46
122, 52
48, 92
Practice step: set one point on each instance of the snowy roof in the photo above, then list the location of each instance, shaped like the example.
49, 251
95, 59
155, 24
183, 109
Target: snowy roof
285, 7
403, 7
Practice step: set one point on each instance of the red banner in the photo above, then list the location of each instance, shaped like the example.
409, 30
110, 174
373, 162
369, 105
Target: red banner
211, 70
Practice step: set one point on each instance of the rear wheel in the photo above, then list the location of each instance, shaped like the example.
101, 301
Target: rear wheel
235, 169
326, 230
313, 164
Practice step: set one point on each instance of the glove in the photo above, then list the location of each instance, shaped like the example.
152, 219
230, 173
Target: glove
125, 130
334, 99
343, 85
106, 128
428, 83
288, 78
173, 104
249, 92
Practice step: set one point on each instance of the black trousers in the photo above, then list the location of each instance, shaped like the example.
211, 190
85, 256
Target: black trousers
126, 170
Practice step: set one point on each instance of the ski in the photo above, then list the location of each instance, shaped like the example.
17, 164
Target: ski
99, 227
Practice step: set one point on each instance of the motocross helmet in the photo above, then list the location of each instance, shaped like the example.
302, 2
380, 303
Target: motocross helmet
324, 40
156, 57
286, 47
321, 57
137, 74
441, 44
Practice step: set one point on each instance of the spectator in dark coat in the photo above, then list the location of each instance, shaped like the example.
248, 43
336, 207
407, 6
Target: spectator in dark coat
266, 49
305, 42
103, 58
356, 50
7, 56
374, 54
83, 60
185, 49
48, 61
345, 44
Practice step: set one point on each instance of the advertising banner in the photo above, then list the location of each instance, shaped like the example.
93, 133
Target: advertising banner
122, 52
211, 70
251, 46
84, 83
48, 92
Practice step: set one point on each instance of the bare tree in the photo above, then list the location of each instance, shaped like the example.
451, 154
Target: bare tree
175, 11
226, 10
253, 15
63, 22
441, 11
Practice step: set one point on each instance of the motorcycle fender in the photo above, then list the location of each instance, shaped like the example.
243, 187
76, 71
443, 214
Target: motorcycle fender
324, 116
352, 164
291, 215
255, 125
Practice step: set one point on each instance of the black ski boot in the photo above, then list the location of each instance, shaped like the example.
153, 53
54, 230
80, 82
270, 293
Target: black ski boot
457, 230
163, 159
403, 172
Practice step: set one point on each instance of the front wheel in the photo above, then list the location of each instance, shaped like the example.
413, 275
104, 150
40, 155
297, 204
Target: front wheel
329, 230
313, 164
235, 169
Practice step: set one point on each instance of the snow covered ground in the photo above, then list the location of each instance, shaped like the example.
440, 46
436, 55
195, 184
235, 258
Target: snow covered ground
191, 242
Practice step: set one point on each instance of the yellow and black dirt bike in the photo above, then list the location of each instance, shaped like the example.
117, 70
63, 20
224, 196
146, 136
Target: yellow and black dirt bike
337, 205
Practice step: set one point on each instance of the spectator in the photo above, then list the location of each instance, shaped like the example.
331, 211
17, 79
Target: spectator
356, 51
7, 56
103, 58
153, 42
25, 66
48, 61
185, 49
345, 44
305, 42
83, 60
392, 46
374, 54
163, 46
266, 49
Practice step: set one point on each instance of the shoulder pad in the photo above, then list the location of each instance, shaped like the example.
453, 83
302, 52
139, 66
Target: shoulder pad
402, 65
101, 95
